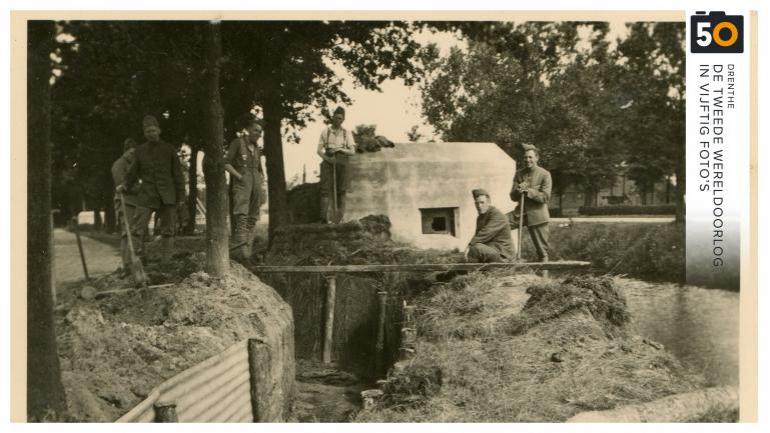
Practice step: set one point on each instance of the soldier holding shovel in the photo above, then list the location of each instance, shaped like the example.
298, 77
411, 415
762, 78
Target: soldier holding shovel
532, 190
335, 147
119, 171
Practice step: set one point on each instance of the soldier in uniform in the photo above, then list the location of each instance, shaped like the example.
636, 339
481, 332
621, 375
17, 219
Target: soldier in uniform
335, 147
161, 189
492, 241
245, 167
119, 171
532, 187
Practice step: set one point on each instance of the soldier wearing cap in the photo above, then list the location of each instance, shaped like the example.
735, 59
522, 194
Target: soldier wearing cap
492, 241
119, 171
245, 167
335, 147
532, 187
162, 186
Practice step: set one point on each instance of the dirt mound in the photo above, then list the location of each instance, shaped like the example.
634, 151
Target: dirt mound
364, 241
511, 348
116, 349
552, 300
304, 203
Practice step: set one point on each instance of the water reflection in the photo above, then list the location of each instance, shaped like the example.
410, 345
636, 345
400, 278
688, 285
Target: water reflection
699, 326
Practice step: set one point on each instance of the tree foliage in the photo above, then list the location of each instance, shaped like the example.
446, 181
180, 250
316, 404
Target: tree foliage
587, 107
114, 72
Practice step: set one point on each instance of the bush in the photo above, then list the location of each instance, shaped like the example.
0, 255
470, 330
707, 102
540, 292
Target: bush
663, 209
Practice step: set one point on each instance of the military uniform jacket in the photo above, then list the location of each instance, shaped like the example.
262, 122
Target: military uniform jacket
157, 165
493, 230
239, 156
538, 180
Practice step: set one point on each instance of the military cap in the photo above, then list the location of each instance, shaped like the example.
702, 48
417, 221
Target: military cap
527, 147
150, 121
478, 192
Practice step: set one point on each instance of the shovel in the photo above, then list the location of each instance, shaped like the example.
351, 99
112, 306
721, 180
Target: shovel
521, 224
334, 191
80, 249
137, 270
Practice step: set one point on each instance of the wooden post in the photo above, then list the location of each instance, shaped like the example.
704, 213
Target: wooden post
408, 334
380, 346
257, 367
53, 258
165, 411
331, 293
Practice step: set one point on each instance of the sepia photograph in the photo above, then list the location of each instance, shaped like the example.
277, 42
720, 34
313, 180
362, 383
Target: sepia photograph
364, 218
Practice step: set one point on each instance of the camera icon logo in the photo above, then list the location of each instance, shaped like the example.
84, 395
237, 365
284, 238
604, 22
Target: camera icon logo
716, 32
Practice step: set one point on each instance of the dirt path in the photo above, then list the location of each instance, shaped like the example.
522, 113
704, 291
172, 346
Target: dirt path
101, 258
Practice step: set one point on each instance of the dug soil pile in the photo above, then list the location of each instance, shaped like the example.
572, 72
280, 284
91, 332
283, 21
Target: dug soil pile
358, 242
496, 347
116, 349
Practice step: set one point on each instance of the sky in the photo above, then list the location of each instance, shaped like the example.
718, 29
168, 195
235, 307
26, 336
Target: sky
395, 109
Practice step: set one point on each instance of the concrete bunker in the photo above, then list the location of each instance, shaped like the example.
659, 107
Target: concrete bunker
423, 188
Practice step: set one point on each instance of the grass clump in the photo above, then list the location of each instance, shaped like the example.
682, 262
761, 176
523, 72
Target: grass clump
513, 348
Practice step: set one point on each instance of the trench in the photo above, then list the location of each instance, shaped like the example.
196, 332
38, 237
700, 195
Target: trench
331, 392
698, 325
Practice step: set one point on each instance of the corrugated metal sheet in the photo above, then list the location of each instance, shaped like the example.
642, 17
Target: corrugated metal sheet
216, 390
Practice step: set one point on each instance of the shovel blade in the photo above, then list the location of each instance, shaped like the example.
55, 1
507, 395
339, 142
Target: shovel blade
137, 271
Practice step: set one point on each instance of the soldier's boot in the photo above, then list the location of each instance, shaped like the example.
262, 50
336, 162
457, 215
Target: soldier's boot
325, 210
166, 249
240, 237
251, 223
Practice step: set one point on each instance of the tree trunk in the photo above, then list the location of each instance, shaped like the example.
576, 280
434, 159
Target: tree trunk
276, 177
217, 234
45, 393
98, 217
680, 186
192, 198
110, 220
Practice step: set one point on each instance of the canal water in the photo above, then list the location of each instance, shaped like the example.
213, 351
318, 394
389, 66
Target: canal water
699, 326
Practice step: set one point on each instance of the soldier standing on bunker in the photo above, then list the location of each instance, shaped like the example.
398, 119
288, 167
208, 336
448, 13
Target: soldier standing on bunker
335, 147
245, 167
492, 241
533, 184
119, 171
162, 188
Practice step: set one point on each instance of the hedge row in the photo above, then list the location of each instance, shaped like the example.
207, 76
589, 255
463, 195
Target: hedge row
663, 209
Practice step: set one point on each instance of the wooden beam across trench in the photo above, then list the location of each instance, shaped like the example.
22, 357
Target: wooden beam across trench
424, 267
332, 270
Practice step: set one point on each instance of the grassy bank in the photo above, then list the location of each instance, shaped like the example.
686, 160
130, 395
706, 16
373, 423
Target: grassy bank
644, 250
520, 348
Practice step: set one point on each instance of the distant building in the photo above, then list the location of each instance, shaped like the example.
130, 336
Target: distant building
623, 192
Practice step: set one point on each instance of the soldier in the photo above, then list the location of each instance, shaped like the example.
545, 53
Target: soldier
161, 189
532, 186
492, 241
245, 167
335, 147
119, 171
